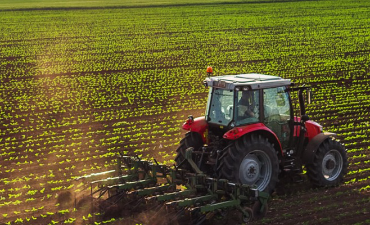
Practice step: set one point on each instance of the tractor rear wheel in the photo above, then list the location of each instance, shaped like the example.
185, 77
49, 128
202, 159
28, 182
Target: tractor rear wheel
251, 160
329, 164
191, 139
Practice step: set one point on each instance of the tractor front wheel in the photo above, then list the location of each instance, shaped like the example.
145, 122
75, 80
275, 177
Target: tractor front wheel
251, 160
329, 165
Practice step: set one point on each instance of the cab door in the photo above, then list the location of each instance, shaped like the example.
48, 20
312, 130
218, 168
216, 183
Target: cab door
278, 113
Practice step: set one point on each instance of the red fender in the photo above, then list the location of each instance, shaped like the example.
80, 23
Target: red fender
312, 127
198, 125
237, 132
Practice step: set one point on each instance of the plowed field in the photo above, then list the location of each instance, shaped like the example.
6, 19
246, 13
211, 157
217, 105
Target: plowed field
83, 80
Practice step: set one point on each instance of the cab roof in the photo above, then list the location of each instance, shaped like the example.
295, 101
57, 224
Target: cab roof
251, 80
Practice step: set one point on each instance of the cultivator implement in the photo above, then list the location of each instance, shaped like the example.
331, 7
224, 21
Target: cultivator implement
195, 195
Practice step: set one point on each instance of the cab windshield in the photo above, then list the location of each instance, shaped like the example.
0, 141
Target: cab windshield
220, 105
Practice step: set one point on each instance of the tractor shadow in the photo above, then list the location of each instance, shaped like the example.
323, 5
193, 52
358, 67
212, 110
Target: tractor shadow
291, 184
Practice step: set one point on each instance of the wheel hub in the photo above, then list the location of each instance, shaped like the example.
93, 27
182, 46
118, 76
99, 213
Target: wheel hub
255, 169
332, 165
250, 168
328, 164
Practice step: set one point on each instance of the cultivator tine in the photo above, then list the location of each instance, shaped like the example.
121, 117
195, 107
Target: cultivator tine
180, 212
119, 197
102, 192
200, 220
263, 198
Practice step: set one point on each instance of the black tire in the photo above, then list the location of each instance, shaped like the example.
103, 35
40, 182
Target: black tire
191, 139
329, 165
251, 160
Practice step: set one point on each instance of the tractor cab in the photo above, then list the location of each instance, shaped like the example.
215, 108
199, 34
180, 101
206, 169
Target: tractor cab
244, 99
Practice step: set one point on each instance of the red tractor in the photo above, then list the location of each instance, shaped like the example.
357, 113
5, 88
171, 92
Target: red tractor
250, 135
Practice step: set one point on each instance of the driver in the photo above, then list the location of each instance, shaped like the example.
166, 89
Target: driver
246, 104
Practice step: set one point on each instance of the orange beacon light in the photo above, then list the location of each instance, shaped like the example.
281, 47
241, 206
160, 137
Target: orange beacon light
209, 70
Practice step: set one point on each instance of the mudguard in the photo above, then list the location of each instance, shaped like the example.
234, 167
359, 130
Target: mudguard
198, 125
237, 132
312, 146
312, 127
